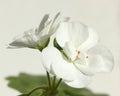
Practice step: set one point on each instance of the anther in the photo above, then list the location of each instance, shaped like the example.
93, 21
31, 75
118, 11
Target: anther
78, 52
87, 57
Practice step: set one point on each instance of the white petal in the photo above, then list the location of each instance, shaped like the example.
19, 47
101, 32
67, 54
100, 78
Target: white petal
52, 58
47, 58
74, 32
62, 34
28, 39
66, 19
55, 23
100, 60
80, 80
44, 31
51, 27
91, 41
70, 50
64, 70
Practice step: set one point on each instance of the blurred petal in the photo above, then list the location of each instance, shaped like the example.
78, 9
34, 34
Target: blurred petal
28, 39
91, 41
44, 31
51, 27
42, 23
66, 19
55, 23
38, 37
100, 60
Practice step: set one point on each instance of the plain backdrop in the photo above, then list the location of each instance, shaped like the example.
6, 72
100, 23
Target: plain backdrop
17, 16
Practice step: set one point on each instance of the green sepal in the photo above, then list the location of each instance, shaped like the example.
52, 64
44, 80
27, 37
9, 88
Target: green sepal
57, 45
60, 49
47, 42
41, 47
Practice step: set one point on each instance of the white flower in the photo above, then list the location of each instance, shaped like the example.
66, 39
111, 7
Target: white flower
77, 56
38, 37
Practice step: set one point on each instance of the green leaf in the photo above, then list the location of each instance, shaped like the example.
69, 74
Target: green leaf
23, 95
24, 83
69, 91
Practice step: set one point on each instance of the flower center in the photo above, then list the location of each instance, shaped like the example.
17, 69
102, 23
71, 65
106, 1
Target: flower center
79, 56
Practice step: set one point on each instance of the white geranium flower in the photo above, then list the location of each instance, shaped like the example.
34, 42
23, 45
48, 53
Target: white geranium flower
77, 56
37, 38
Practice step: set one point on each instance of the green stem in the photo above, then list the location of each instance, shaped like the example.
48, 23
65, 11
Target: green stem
54, 80
49, 81
44, 88
58, 83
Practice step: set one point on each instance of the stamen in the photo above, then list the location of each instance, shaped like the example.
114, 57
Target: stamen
78, 52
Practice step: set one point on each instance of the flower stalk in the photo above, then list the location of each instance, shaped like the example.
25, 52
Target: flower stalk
38, 88
49, 80
50, 90
58, 83
52, 85
54, 80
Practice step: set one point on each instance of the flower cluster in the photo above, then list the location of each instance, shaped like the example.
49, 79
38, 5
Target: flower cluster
74, 55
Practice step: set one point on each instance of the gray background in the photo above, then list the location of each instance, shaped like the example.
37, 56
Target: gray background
16, 16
